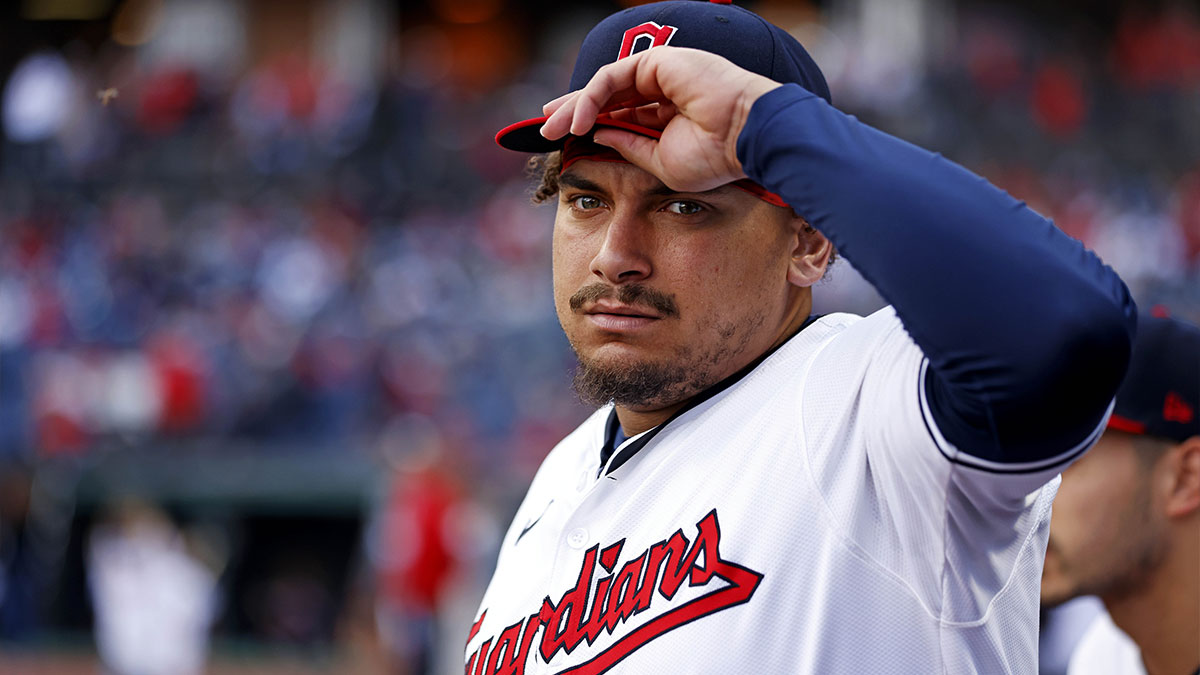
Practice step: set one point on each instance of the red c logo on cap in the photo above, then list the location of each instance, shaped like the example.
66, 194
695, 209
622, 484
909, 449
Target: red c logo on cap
659, 36
1175, 409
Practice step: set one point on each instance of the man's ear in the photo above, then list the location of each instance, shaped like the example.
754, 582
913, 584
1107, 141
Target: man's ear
811, 255
1183, 461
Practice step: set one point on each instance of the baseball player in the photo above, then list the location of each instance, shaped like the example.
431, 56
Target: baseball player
1126, 523
763, 490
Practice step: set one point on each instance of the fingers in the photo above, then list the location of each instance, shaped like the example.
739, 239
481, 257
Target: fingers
639, 150
665, 112
559, 122
550, 107
653, 116
612, 87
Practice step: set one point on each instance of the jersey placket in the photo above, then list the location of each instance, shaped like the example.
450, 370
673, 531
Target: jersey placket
572, 539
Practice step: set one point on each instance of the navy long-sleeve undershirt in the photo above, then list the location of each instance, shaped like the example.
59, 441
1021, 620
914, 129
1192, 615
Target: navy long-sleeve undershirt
1027, 332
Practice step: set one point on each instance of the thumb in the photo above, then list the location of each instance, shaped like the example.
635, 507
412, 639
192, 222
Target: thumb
639, 150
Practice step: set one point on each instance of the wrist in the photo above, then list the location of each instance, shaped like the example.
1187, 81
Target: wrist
745, 103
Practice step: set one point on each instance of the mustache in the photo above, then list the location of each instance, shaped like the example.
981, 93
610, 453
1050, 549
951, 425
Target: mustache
632, 295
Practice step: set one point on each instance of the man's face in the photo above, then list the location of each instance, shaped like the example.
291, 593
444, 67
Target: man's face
660, 293
1105, 532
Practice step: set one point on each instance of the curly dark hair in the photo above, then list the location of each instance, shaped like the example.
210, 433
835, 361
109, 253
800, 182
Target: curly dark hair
545, 169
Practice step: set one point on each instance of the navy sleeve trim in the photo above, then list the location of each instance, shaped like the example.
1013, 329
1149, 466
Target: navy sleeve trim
999, 464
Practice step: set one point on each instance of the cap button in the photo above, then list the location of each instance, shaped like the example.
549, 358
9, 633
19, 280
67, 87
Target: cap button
721, 2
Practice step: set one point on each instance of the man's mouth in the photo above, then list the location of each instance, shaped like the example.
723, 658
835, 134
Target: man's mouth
619, 318
617, 309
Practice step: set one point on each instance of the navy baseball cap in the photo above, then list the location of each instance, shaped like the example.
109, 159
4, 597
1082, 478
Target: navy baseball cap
1161, 393
737, 34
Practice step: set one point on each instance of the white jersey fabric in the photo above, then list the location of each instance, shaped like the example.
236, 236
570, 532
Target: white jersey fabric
807, 519
1106, 650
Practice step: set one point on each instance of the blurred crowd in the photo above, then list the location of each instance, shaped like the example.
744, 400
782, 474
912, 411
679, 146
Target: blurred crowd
1093, 127
281, 252
285, 256
284, 259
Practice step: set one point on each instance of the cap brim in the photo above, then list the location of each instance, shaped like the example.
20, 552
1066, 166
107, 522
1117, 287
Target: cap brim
526, 136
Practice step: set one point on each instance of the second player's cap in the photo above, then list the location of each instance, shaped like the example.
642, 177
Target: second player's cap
1161, 392
737, 34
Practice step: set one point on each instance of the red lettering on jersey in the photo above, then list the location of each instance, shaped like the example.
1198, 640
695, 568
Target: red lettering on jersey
630, 596
1175, 409
659, 36
581, 617
475, 627
510, 653
564, 620
483, 653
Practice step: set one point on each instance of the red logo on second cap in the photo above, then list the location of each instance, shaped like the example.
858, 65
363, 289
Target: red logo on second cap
1175, 409
659, 36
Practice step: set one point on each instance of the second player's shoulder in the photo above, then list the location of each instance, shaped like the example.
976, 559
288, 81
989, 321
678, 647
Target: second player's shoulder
1104, 649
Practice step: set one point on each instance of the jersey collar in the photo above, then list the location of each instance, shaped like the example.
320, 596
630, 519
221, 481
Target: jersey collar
614, 436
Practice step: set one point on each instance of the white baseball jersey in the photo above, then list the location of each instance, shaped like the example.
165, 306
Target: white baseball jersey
1106, 650
808, 518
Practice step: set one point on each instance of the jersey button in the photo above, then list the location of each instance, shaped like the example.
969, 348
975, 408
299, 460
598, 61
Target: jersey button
578, 538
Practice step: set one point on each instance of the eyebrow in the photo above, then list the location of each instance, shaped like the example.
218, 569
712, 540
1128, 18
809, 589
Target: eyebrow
660, 190
571, 180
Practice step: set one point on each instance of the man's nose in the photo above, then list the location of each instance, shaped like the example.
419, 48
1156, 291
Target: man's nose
624, 255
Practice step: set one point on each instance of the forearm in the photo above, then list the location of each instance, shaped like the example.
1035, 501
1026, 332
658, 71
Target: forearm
1027, 333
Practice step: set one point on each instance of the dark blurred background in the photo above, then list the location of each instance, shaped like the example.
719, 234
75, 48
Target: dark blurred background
278, 355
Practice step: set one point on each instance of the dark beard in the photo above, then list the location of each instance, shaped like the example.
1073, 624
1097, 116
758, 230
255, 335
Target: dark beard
649, 386
641, 386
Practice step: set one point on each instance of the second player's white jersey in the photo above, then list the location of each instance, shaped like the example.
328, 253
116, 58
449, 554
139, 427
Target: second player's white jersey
1105, 649
807, 519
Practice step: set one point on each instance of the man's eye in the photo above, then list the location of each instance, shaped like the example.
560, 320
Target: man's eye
586, 203
684, 208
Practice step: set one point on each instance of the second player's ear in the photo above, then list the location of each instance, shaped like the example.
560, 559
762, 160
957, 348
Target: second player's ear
810, 256
1184, 462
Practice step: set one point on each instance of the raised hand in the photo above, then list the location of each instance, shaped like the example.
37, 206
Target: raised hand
699, 100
